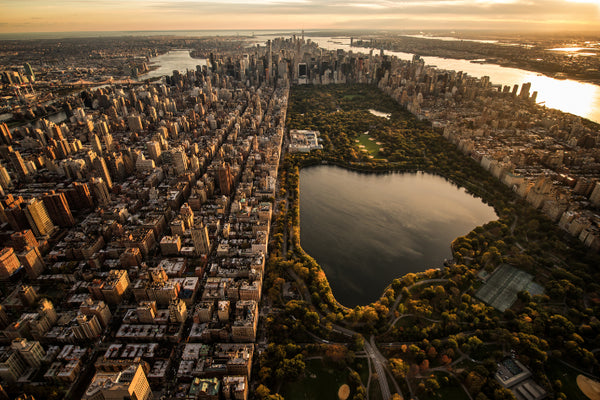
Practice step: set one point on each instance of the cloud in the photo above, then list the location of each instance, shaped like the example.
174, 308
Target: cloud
279, 14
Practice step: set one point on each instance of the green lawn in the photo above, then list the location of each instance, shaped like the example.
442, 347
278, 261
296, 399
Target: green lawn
568, 376
361, 365
370, 145
321, 382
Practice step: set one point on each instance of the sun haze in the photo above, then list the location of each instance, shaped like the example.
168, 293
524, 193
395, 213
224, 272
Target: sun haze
132, 15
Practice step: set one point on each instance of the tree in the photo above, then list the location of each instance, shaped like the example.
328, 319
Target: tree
292, 369
398, 367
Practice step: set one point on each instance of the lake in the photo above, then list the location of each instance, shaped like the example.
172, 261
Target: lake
365, 230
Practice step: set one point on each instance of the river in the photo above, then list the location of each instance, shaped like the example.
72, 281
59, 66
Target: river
575, 97
179, 60
579, 98
365, 230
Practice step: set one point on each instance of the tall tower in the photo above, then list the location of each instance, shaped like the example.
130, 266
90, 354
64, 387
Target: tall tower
38, 217
187, 215
100, 191
102, 170
5, 135
225, 180
18, 164
200, 239
58, 208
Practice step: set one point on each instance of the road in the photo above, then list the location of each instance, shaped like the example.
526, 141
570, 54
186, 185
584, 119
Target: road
379, 362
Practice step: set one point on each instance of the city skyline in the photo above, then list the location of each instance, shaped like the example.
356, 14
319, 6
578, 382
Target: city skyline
82, 15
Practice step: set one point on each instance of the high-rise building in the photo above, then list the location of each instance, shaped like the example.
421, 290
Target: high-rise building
96, 145
135, 123
146, 312
180, 160
12, 366
32, 352
153, 150
27, 295
16, 217
595, 195
115, 286
46, 309
187, 215
96, 308
23, 239
177, 310
38, 217
58, 209
4, 320
5, 181
5, 135
9, 263
18, 164
79, 196
33, 262
87, 327
100, 191
102, 171
200, 239
225, 179
130, 383
29, 72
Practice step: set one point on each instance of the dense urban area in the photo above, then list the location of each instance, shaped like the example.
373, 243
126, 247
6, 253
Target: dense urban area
150, 240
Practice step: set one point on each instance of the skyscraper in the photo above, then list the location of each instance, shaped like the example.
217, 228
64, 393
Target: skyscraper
18, 164
79, 196
102, 170
38, 217
9, 263
100, 191
58, 208
225, 179
200, 239
130, 383
33, 262
5, 135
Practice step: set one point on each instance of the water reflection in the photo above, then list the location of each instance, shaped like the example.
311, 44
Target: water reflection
366, 230
179, 60
567, 95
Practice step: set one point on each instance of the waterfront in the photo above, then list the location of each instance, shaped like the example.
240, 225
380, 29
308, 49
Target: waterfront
575, 97
179, 60
365, 230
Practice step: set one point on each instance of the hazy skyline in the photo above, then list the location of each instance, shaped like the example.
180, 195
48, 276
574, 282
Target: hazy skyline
110, 15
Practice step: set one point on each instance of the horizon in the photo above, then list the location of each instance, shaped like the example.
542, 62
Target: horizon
92, 34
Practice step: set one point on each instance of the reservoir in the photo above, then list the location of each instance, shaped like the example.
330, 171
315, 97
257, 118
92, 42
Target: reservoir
365, 230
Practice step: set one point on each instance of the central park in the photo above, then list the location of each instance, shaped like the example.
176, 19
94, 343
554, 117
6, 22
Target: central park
427, 335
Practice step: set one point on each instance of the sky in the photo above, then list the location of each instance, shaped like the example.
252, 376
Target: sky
133, 15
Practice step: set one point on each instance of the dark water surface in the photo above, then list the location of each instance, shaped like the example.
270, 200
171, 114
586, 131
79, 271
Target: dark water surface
365, 230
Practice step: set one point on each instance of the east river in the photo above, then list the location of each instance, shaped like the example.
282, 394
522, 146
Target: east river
365, 230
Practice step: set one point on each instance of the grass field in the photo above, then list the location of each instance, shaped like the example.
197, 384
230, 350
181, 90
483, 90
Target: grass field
370, 145
320, 383
568, 376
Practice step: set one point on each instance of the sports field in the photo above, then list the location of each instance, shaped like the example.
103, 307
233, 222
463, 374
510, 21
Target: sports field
500, 290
